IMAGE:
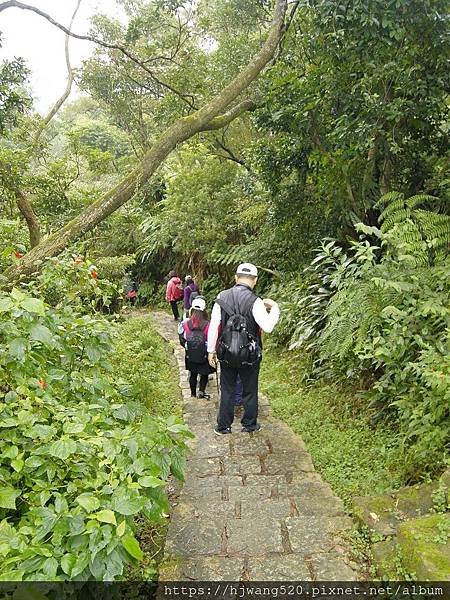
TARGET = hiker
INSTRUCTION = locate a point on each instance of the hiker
(193, 333)
(174, 293)
(191, 291)
(234, 339)
(131, 291)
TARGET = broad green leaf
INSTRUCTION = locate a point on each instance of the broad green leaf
(62, 448)
(67, 563)
(17, 348)
(50, 567)
(17, 464)
(70, 427)
(6, 304)
(33, 305)
(40, 333)
(127, 502)
(131, 545)
(150, 481)
(105, 516)
(89, 502)
(8, 496)
(121, 528)
(93, 352)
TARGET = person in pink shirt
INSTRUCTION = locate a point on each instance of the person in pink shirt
(174, 293)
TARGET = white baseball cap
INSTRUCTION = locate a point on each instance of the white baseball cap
(247, 269)
(199, 303)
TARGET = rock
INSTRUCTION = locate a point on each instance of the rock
(385, 554)
(424, 547)
(376, 512)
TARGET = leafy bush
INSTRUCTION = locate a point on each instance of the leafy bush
(78, 460)
(74, 280)
(380, 313)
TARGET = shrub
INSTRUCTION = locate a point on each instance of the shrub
(77, 459)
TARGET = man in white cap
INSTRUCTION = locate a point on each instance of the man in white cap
(234, 338)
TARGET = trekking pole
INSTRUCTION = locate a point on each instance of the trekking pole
(217, 381)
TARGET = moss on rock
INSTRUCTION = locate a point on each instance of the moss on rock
(424, 547)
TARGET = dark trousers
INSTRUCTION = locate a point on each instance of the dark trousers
(193, 383)
(249, 378)
(174, 305)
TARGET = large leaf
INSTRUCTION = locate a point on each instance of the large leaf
(150, 481)
(127, 502)
(88, 502)
(8, 496)
(63, 448)
(41, 333)
(17, 348)
(33, 305)
(105, 516)
(131, 545)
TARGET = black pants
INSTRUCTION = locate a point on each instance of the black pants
(249, 377)
(174, 305)
(193, 383)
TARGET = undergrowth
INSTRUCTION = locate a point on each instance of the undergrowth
(355, 457)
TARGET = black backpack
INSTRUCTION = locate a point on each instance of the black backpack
(195, 344)
(237, 347)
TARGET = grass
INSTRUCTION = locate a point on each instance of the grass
(355, 457)
(144, 360)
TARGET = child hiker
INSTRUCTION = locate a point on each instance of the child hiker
(193, 333)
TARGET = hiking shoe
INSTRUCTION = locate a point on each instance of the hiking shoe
(218, 431)
(203, 395)
(247, 430)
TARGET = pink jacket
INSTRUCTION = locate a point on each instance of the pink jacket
(172, 291)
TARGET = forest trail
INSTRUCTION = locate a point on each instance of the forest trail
(252, 507)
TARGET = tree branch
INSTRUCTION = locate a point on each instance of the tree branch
(228, 117)
(89, 38)
(34, 228)
(183, 129)
(70, 78)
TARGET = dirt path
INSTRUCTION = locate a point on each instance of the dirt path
(252, 508)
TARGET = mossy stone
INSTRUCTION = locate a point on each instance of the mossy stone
(376, 512)
(424, 550)
(384, 557)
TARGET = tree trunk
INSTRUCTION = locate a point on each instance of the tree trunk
(208, 117)
(30, 217)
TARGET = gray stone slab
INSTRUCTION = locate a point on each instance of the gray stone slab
(287, 567)
(332, 568)
(252, 493)
(197, 484)
(190, 537)
(242, 465)
(203, 568)
(280, 508)
(267, 480)
(280, 463)
(315, 534)
(246, 445)
(307, 489)
(203, 467)
(325, 505)
(247, 537)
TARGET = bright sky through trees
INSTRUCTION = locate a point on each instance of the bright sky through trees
(42, 45)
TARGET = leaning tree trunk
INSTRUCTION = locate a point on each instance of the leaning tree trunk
(34, 228)
(206, 118)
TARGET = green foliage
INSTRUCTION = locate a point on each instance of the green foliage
(141, 357)
(334, 424)
(73, 280)
(380, 312)
(80, 460)
(14, 99)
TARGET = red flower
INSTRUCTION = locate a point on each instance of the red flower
(42, 384)
(94, 274)
(18, 254)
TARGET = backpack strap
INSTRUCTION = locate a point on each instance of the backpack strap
(226, 307)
